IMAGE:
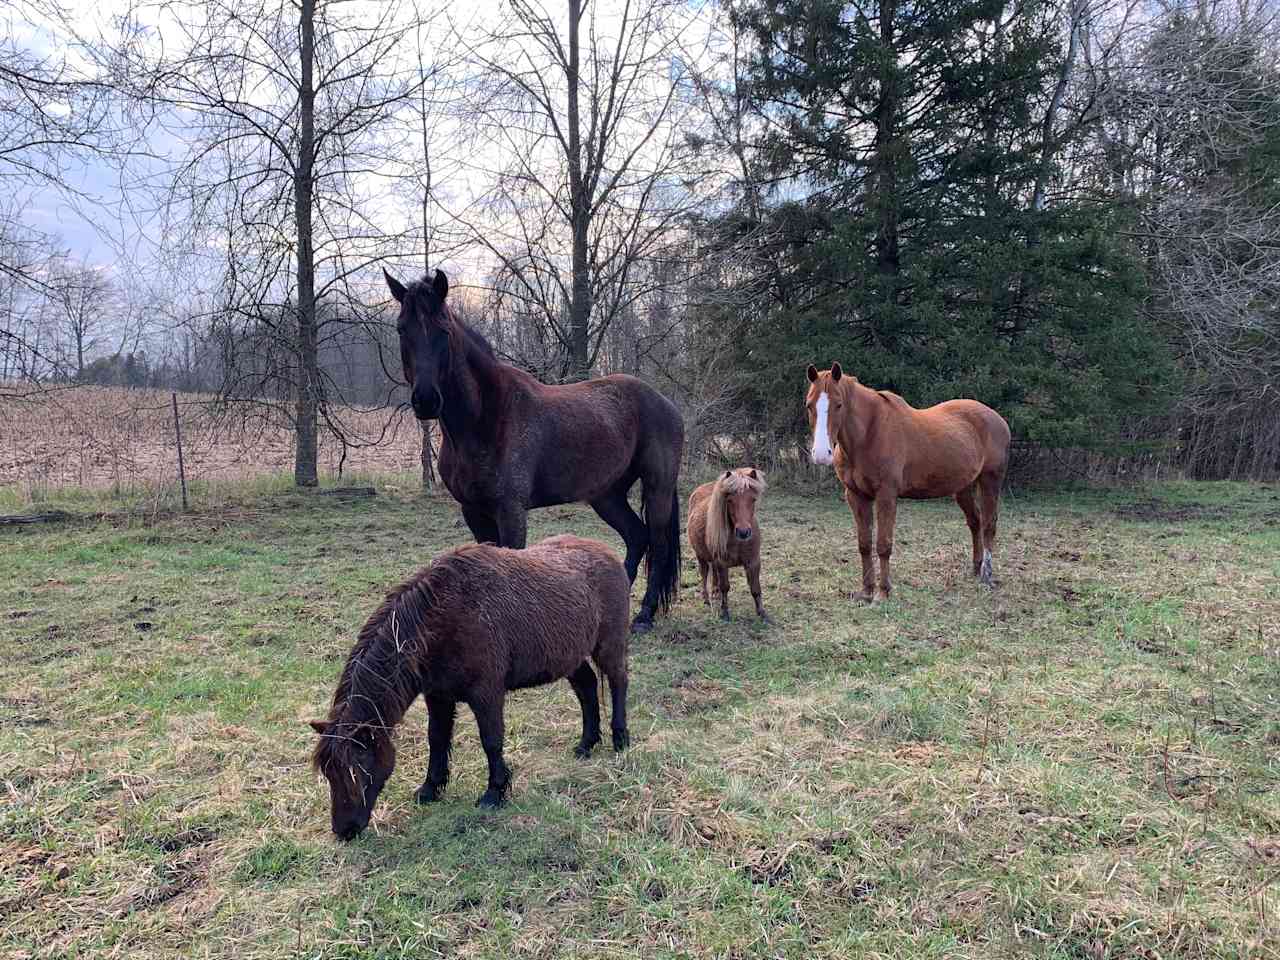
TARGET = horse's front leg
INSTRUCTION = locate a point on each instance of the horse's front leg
(440, 714)
(861, 507)
(886, 517)
(753, 581)
(722, 588)
(481, 523)
(513, 526)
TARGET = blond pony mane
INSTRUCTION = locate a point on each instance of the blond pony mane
(719, 526)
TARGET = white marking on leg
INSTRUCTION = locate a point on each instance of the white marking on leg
(986, 566)
(821, 434)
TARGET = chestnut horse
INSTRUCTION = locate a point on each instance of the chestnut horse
(883, 448)
(511, 444)
(481, 620)
(724, 533)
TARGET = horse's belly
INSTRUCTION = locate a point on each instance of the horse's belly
(545, 660)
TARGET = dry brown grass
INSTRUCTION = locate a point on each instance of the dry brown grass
(123, 439)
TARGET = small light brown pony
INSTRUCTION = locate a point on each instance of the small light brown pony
(883, 448)
(724, 533)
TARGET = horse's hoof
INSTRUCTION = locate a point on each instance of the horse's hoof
(764, 618)
(641, 626)
(491, 799)
(428, 793)
(864, 597)
(621, 740)
(583, 750)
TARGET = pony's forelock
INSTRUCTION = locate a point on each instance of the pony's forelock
(719, 528)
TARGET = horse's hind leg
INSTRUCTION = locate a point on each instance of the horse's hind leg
(583, 681)
(615, 510)
(974, 519)
(440, 714)
(989, 487)
(614, 666)
(662, 518)
(704, 568)
(489, 722)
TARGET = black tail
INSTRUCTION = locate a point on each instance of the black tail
(667, 562)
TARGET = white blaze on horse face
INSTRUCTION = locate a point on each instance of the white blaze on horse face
(822, 453)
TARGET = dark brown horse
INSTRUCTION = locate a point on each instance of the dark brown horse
(481, 620)
(511, 444)
(883, 448)
(724, 533)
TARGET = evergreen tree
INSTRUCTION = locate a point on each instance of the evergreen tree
(911, 136)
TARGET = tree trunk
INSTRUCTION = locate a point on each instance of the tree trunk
(428, 457)
(304, 468)
(580, 211)
(886, 146)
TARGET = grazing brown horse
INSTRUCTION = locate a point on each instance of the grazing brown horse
(481, 620)
(723, 532)
(883, 448)
(511, 444)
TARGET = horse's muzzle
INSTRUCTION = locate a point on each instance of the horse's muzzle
(822, 458)
(427, 406)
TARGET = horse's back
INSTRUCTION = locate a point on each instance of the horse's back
(990, 430)
(542, 610)
(595, 433)
(946, 447)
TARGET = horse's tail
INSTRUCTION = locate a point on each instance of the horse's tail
(665, 558)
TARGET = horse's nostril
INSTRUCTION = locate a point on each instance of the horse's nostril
(744, 534)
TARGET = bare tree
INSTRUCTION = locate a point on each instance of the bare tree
(1187, 116)
(84, 302)
(275, 196)
(576, 121)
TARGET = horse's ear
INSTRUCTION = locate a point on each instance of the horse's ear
(319, 726)
(812, 373)
(395, 286)
(728, 475)
(752, 474)
(440, 285)
(836, 372)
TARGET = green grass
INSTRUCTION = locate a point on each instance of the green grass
(1084, 762)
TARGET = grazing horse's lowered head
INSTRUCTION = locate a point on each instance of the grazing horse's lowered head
(427, 328)
(357, 761)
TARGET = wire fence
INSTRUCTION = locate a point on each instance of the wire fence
(124, 440)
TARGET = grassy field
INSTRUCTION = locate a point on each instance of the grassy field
(1084, 762)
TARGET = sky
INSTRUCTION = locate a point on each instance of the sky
(95, 222)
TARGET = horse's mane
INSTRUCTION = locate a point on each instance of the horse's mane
(718, 525)
(379, 680)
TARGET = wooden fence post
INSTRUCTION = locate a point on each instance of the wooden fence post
(182, 470)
